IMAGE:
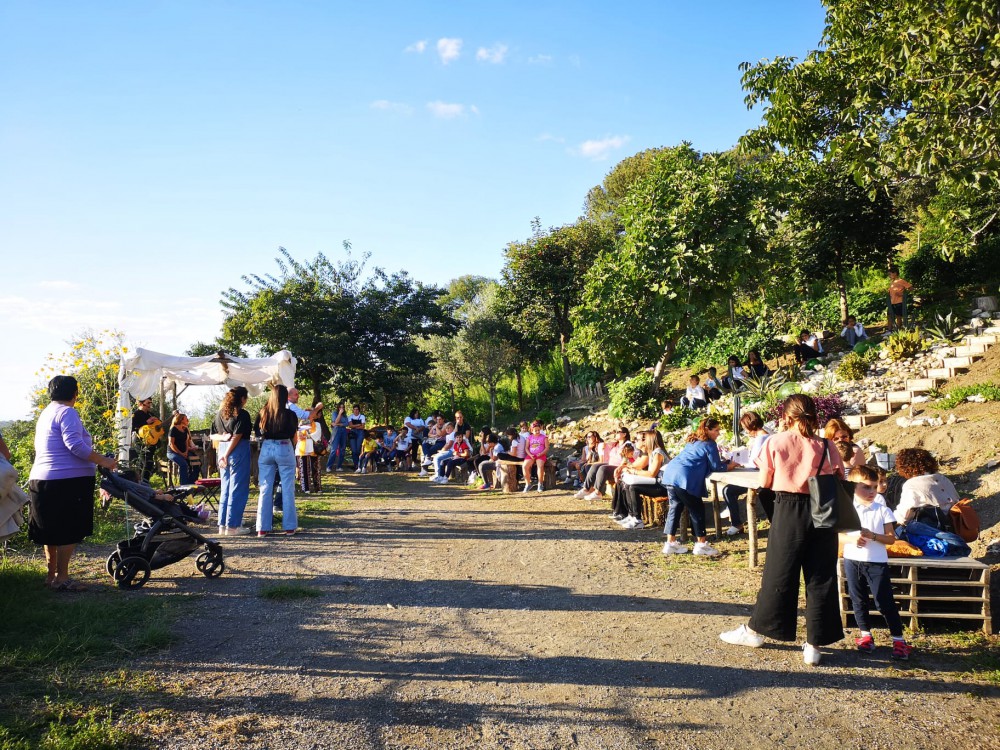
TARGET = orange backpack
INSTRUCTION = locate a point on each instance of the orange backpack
(965, 520)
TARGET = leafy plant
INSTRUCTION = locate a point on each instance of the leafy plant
(679, 418)
(852, 367)
(946, 329)
(633, 398)
(715, 349)
(989, 391)
(546, 416)
(904, 344)
(761, 387)
(827, 407)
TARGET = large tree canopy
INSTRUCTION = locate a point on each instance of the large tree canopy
(897, 89)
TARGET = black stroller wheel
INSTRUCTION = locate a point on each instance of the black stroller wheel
(113, 559)
(132, 572)
(210, 564)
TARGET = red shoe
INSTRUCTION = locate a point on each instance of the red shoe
(901, 650)
(865, 643)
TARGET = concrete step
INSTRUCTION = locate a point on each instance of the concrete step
(958, 363)
(857, 421)
(878, 407)
(970, 350)
(897, 398)
(941, 373)
(922, 385)
(990, 331)
(986, 340)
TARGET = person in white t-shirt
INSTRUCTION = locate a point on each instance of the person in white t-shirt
(866, 563)
(417, 428)
(853, 332)
(694, 397)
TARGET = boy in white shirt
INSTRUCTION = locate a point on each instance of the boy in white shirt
(866, 563)
(853, 332)
(694, 397)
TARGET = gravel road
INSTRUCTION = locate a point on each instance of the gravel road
(456, 619)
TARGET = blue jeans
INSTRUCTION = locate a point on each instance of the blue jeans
(354, 439)
(338, 445)
(732, 495)
(276, 456)
(182, 466)
(235, 489)
(439, 459)
(680, 499)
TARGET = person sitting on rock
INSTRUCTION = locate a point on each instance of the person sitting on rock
(694, 397)
(733, 380)
(807, 348)
(853, 332)
(755, 364)
(712, 385)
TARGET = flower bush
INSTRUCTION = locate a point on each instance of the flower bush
(827, 407)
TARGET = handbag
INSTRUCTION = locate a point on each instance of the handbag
(830, 503)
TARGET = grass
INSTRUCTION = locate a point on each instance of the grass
(60, 656)
(286, 592)
(971, 655)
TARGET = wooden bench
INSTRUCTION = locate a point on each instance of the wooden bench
(932, 588)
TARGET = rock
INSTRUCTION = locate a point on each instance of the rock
(992, 463)
(976, 398)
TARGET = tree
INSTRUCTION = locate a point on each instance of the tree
(836, 225)
(603, 200)
(544, 275)
(347, 329)
(692, 227)
(897, 90)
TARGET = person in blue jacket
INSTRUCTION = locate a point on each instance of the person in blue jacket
(685, 478)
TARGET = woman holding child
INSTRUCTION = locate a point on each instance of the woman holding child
(645, 480)
(795, 547)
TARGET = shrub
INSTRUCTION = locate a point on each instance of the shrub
(679, 418)
(989, 391)
(633, 398)
(946, 329)
(763, 387)
(904, 345)
(827, 407)
(546, 416)
(714, 348)
(852, 367)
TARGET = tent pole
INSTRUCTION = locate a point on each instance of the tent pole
(163, 402)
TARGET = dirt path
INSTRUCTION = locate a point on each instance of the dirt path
(450, 619)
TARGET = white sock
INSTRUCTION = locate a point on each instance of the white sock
(865, 634)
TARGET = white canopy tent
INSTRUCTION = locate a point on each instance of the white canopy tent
(149, 372)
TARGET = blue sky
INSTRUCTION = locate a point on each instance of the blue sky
(151, 153)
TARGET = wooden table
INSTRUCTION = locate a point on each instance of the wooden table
(750, 479)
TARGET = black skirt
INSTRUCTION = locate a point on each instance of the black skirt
(62, 510)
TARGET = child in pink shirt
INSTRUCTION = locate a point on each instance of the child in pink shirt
(535, 447)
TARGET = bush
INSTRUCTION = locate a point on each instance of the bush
(714, 348)
(633, 398)
(679, 418)
(852, 367)
(546, 416)
(989, 391)
(904, 345)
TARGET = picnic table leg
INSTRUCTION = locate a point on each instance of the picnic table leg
(752, 527)
(715, 511)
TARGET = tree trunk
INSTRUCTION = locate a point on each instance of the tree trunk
(520, 388)
(317, 386)
(451, 393)
(838, 271)
(493, 405)
(567, 370)
(668, 353)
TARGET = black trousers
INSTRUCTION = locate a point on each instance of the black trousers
(635, 492)
(795, 548)
(863, 578)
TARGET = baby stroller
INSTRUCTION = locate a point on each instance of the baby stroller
(162, 538)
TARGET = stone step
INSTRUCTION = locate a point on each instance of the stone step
(991, 331)
(958, 363)
(922, 385)
(896, 398)
(857, 421)
(970, 350)
(985, 340)
(878, 407)
(941, 373)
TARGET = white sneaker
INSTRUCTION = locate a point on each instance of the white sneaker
(357, 471)
(811, 655)
(630, 522)
(527, 487)
(615, 517)
(580, 494)
(239, 531)
(223, 531)
(541, 488)
(743, 636)
(705, 549)
(340, 468)
(472, 479)
(724, 513)
(422, 472)
(675, 548)
(594, 495)
(328, 470)
(733, 531)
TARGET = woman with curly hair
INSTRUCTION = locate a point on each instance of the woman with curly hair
(686, 487)
(233, 421)
(795, 548)
(924, 486)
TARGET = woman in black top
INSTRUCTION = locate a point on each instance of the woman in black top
(180, 446)
(277, 428)
(233, 421)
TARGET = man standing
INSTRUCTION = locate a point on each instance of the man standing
(897, 298)
(140, 418)
(293, 406)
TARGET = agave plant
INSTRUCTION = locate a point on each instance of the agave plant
(762, 387)
(946, 329)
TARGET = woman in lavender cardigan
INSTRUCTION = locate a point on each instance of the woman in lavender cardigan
(61, 483)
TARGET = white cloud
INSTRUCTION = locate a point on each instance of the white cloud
(540, 59)
(599, 150)
(449, 111)
(495, 54)
(449, 49)
(398, 108)
(58, 284)
(417, 47)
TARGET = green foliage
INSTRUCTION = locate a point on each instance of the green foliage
(714, 349)
(546, 416)
(945, 329)
(852, 367)
(763, 387)
(904, 345)
(679, 418)
(954, 397)
(633, 398)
